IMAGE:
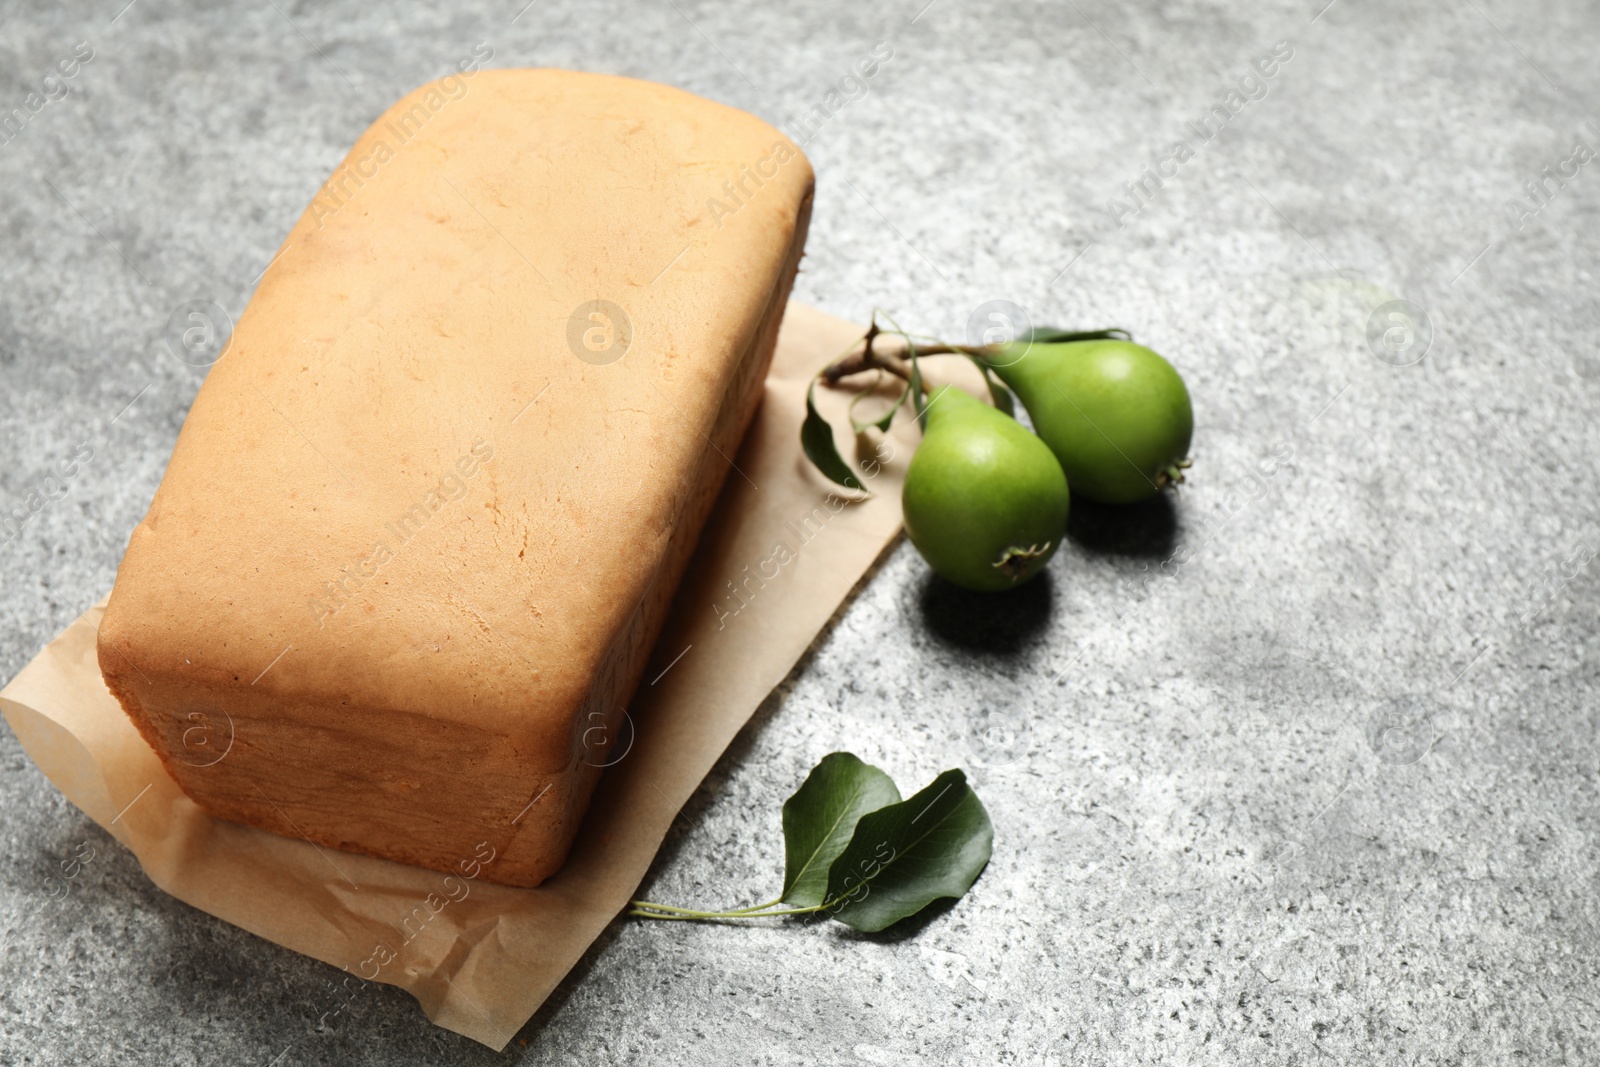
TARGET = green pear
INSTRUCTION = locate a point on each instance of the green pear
(1115, 413)
(985, 501)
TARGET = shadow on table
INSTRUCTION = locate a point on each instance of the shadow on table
(1002, 623)
(1146, 530)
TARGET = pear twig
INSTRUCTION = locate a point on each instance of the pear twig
(870, 358)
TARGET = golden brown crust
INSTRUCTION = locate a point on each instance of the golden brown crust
(409, 544)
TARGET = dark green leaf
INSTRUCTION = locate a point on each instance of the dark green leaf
(816, 437)
(907, 855)
(1056, 335)
(819, 819)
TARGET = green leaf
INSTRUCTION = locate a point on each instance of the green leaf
(1051, 335)
(907, 855)
(1002, 396)
(881, 422)
(816, 437)
(919, 403)
(997, 390)
(819, 819)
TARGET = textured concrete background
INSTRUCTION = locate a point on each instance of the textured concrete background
(1298, 767)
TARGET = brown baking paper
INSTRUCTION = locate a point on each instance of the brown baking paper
(482, 961)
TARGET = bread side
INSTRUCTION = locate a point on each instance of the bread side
(411, 548)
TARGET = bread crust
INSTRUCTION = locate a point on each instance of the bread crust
(415, 545)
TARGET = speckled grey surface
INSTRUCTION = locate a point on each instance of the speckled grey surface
(1298, 768)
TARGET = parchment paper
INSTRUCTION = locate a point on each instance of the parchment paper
(481, 962)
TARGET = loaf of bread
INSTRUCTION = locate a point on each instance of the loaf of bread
(421, 528)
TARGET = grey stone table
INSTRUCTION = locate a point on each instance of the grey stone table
(1296, 767)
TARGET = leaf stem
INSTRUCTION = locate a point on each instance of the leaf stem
(686, 914)
(697, 913)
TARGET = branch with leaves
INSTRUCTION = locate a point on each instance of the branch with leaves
(867, 354)
(855, 852)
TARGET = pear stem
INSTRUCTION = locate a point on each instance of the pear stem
(870, 358)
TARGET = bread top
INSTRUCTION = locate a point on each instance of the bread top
(401, 470)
